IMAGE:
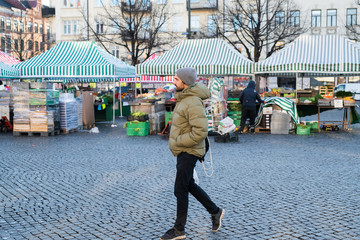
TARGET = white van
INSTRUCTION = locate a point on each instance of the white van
(350, 87)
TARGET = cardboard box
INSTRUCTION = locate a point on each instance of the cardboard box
(267, 110)
(88, 108)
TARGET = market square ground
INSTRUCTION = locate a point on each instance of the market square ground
(110, 186)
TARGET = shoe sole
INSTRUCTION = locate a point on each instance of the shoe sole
(221, 217)
(177, 238)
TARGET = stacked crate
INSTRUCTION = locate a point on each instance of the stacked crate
(20, 96)
(5, 104)
(68, 113)
(44, 110)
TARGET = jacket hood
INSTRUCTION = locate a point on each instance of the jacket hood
(197, 89)
(251, 84)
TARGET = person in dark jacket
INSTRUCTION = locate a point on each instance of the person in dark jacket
(248, 100)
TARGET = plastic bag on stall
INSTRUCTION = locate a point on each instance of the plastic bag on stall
(226, 126)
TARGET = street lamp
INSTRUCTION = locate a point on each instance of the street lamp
(189, 19)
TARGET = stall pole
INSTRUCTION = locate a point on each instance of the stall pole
(296, 81)
(120, 100)
(114, 100)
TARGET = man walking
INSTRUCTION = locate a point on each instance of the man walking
(248, 110)
(187, 142)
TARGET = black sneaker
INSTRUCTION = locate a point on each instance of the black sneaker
(173, 234)
(216, 219)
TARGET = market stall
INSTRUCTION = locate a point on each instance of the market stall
(309, 56)
(211, 58)
(6, 72)
(77, 62)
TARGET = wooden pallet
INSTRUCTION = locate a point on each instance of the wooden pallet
(89, 126)
(262, 130)
(30, 134)
(67, 131)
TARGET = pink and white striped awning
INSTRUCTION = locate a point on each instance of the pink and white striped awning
(146, 79)
(7, 59)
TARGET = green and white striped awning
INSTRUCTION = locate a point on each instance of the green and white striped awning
(207, 56)
(7, 71)
(284, 103)
(75, 61)
(315, 55)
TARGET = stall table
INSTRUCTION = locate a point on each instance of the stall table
(345, 122)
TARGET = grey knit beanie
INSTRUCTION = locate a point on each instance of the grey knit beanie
(187, 75)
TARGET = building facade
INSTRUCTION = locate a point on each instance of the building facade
(24, 32)
(317, 16)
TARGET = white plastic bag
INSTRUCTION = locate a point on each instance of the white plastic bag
(226, 126)
(196, 177)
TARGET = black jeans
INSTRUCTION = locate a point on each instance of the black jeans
(185, 184)
(247, 113)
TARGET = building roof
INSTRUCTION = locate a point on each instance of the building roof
(20, 4)
(5, 4)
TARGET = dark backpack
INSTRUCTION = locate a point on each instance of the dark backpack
(207, 145)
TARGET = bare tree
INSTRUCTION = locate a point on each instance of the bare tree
(136, 26)
(260, 26)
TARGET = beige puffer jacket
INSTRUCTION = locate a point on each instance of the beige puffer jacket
(189, 123)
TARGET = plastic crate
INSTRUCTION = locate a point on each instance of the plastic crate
(137, 128)
(168, 117)
(303, 130)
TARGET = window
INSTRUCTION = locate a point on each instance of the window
(99, 3)
(163, 27)
(316, 18)
(177, 24)
(8, 24)
(194, 1)
(279, 18)
(22, 45)
(115, 28)
(21, 26)
(253, 20)
(30, 26)
(41, 29)
(36, 46)
(48, 33)
(161, 1)
(351, 15)
(130, 2)
(3, 44)
(115, 3)
(16, 25)
(331, 18)
(67, 27)
(2, 24)
(116, 51)
(65, 3)
(30, 46)
(195, 23)
(295, 18)
(8, 43)
(145, 23)
(99, 27)
(16, 44)
(212, 29)
(178, 1)
(237, 22)
(76, 24)
(42, 46)
(36, 27)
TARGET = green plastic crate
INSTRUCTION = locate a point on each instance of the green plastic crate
(137, 128)
(168, 117)
(302, 129)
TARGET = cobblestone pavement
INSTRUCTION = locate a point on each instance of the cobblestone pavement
(110, 186)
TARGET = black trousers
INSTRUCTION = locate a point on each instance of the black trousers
(247, 113)
(185, 184)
